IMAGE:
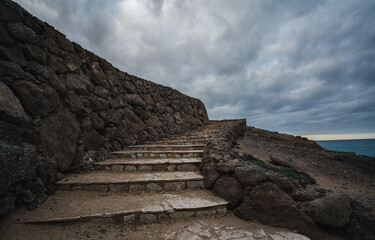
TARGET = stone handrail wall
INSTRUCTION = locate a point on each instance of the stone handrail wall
(61, 104)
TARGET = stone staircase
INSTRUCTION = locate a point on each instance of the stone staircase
(142, 183)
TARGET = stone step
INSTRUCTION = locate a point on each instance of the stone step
(161, 147)
(177, 142)
(104, 181)
(159, 154)
(162, 164)
(187, 138)
(119, 207)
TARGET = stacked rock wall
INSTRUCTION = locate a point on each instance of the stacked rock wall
(61, 104)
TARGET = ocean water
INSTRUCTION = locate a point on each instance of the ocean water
(359, 146)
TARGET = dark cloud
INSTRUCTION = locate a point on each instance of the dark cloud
(302, 67)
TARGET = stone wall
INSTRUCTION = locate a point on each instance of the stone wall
(61, 104)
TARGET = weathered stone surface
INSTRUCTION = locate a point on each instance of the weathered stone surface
(12, 55)
(362, 222)
(11, 70)
(134, 100)
(34, 53)
(250, 175)
(174, 186)
(113, 116)
(76, 82)
(230, 189)
(74, 103)
(99, 104)
(153, 187)
(22, 33)
(93, 140)
(333, 210)
(11, 109)
(97, 122)
(267, 204)
(37, 100)
(97, 75)
(281, 161)
(57, 137)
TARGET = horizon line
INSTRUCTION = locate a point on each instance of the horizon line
(355, 136)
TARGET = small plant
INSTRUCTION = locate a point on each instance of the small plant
(302, 177)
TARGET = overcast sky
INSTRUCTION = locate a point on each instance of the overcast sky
(299, 67)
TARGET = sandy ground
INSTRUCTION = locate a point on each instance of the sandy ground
(352, 176)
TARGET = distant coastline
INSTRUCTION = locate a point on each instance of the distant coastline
(358, 146)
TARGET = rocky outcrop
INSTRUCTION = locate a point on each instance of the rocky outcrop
(333, 210)
(61, 105)
(272, 195)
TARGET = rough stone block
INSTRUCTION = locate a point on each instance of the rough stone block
(117, 168)
(163, 155)
(130, 168)
(221, 210)
(182, 214)
(171, 168)
(144, 168)
(195, 184)
(206, 212)
(153, 187)
(97, 188)
(139, 155)
(107, 168)
(186, 167)
(119, 187)
(148, 218)
(129, 218)
(136, 188)
(161, 167)
(173, 186)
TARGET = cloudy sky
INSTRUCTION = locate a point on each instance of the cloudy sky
(298, 67)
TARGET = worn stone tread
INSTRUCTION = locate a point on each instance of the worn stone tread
(166, 146)
(158, 151)
(104, 177)
(85, 206)
(147, 161)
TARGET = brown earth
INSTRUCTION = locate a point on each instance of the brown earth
(335, 171)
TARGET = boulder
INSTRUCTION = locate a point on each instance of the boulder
(230, 189)
(362, 222)
(269, 205)
(11, 109)
(251, 175)
(55, 136)
(333, 210)
(38, 100)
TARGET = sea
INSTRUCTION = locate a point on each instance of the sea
(359, 146)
